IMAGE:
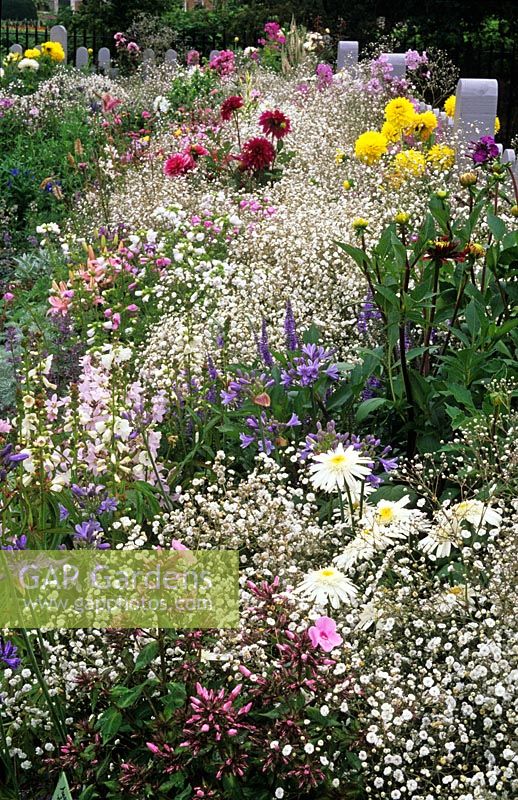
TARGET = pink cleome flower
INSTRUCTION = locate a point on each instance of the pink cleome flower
(323, 633)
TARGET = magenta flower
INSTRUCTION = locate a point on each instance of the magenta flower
(323, 633)
(484, 150)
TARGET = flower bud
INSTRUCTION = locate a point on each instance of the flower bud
(514, 211)
(468, 179)
(402, 218)
(360, 224)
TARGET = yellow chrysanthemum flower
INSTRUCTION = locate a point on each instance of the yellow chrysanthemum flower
(440, 156)
(425, 124)
(347, 185)
(33, 52)
(370, 146)
(390, 132)
(497, 125)
(54, 50)
(449, 106)
(410, 163)
(400, 113)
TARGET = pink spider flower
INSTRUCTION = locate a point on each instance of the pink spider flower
(323, 633)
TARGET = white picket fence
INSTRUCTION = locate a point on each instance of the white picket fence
(475, 104)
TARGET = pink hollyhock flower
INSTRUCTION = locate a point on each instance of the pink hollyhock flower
(8, 297)
(257, 154)
(275, 124)
(323, 633)
(178, 164)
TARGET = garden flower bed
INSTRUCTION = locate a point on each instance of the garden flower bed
(273, 313)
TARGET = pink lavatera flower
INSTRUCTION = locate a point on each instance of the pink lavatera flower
(323, 633)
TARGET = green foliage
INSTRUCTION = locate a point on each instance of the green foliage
(450, 326)
(19, 9)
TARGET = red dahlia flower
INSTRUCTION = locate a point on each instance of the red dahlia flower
(275, 123)
(230, 105)
(179, 164)
(257, 154)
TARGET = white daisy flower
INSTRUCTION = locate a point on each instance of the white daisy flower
(441, 539)
(477, 514)
(340, 468)
(327, 585)
(390, 512)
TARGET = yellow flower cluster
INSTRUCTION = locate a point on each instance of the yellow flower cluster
(400, 113)
(449, 108)
(54, 50)
(370, 146)
(410, 163)
(33, 52)
(11, 58)
(441, 157)
(424, 124)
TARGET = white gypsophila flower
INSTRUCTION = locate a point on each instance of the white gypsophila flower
(327, 585)
(161, 104)
(339, 469)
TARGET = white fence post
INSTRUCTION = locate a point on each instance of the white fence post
(59, 34)
(82, 57)
(347, 55)
(475, 109)
(104, 59)
(398, 64)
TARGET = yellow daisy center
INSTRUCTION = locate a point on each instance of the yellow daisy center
(386, 515)
(327, 573)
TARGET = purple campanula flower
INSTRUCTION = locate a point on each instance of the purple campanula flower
(373, 383)
(63, 513)
(17, 543)
(306, 369)
(87, 533)
(8, 653)
(213, 372)
(8, 458)
(292, 342)
(368, 312)
(107, 506)
(264, 349)
(388, 464)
